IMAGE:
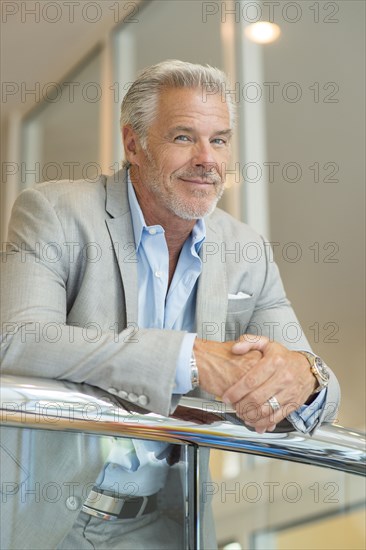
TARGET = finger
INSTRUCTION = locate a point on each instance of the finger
(256, 406)
(263, 417)
(251, 381)
(261, 423)
(251, 359)
(249, 342)
(262, 427)
(259, 415)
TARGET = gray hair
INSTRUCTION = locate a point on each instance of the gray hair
(140, 102)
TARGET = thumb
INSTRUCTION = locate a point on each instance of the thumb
(249, 342)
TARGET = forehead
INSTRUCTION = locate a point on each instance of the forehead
(193, 106)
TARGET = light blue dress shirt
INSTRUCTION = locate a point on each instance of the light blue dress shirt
(159, 307)
(134, 463)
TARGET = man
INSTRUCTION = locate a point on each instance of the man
(162, 305)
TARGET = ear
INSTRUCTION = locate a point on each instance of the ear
(130, 144)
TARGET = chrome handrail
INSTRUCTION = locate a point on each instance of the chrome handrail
(62, 405)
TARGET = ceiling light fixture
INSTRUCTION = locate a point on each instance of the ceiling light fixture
(262, 32)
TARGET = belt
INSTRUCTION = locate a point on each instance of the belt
(109, 506)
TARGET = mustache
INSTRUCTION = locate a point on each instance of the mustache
(208, 175)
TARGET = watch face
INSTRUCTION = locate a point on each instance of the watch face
(322, 369)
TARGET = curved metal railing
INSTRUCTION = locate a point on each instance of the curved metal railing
(62, 405)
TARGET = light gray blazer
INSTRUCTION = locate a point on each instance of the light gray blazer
(69, 308)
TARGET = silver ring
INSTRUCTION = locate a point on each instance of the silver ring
(272, 401)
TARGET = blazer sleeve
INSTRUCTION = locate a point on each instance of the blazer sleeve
(35, 337)
(275, 318)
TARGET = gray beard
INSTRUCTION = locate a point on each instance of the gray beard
(180, 208)
(175, 204)
(192, 212)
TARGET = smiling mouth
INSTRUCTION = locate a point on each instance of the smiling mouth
(198, 181)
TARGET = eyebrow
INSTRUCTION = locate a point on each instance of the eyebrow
(228, 132)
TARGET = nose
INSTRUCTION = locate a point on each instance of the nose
(203, 155)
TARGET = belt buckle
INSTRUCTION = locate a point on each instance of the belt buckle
(97, 513)
(108, 512)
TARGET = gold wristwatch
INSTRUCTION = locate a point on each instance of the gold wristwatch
(318, 368)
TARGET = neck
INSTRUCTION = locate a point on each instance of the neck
(176, 229)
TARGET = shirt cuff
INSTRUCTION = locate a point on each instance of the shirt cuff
(183, 382)
(306, 417)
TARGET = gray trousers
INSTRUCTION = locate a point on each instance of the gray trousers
(149, 532)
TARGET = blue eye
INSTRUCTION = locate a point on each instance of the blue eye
(182, 138)
(219, 141)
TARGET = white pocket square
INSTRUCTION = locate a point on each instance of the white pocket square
(239, 296)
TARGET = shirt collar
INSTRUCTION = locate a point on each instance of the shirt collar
(138, 220)
(196, 237)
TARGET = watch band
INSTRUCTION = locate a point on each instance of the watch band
(317, 368)
(194, 371)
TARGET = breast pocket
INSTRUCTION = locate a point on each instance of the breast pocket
(239, 312)
(239, 302)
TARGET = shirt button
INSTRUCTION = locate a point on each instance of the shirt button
(113, 391)
(143, 400)
(122, 394)
(132, 397)
(72, 503)
(152, 230)
(158, 274)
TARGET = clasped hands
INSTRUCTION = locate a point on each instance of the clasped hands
(248, 372)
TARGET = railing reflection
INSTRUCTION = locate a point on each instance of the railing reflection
(61, 405)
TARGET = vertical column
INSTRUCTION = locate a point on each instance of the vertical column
(252, 123)
(229, 23)
(11, 170)
(106, 110)
(194, 526)
(124, 73)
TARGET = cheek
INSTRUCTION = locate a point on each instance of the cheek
(166, 160)
(176, 157)
(174, 166)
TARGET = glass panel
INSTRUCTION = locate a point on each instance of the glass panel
(261, 503)
(48, 475)
(316, 149)
(61, 138)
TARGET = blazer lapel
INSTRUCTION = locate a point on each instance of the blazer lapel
(211, 306)
(121, 233)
